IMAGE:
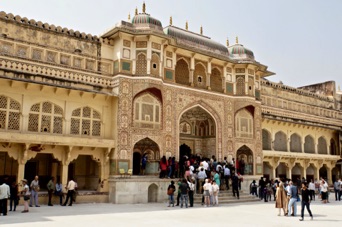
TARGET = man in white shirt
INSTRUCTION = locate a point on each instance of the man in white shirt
(4, 195)
(201, 177)
(71, 189)
(226, 176)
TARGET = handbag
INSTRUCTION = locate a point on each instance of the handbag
(170, 191)
(26, 197)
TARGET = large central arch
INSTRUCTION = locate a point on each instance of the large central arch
(202, 123)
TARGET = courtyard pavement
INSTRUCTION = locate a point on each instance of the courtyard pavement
(158, 214)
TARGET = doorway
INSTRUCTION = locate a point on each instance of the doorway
(136, 163)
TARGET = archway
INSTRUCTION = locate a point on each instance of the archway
(9, 166)
(85, 171)
(245, 159)
(44, 166)
(197, 129)
(281, 171)
(323, 172)
(153, 193)
(151, 149)
(136, 163)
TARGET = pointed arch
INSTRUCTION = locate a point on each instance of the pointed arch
(46, 117)
(182, 72)
(141, 65)
(9, 113)
(244, 123)
(245, 160)
(200, 75)
(147, 107)
(280, 141)
(155, 62)
(295, 143)
(216, 80)
(309, 144)
(266, 140)
(85, 121)
(322, 145)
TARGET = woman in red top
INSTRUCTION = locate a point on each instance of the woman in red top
(163, 167)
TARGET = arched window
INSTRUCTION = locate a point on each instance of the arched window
(46, 117)
(147, 112)
(280, 141)
(182, 72)
(295, 143)
(155, 64)
(333, 147)
(200, 74)
(216, 80)
(266, 140)
(85, 121)
(322, 146)
(240, 85)
(9, 114)
(141, 68)
(309, 144)
(244, 124)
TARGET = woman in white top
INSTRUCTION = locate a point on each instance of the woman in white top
(324, 190)
(26, 194)
(207, 191)
(312, 189)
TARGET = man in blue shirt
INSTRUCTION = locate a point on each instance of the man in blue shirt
(293, 199)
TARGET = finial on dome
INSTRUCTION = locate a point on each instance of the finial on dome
(129, 16)
(237, 39)
(227, 42)
(171, 20)
(201, 30)
(186, 25)
(144, 8)
(136, 10)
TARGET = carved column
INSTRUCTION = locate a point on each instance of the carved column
(64, 173)
(191, 77)
(208, 81)
(22, 159)
(290, 164)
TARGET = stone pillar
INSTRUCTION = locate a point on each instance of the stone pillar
(54, 168)
(329, 175)
(64, 174)
(21, 171)
(148, 66)
(274, 172)
(191, 78)
(316, 175)
(208, 81)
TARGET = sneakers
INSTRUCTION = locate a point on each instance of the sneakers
(302, 219)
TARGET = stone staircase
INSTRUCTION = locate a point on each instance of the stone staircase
(226, 197)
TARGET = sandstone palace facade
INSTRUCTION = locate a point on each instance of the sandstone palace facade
(77, 105)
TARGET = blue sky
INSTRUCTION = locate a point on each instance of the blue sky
(299, 40)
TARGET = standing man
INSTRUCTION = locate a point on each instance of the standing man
(305, 201)
(337, 186)
(235, 185)
(71, 189)
(4, 195)
(50, 187)
(34, 186)
(184, 188)
(312, 189)
(191, 192)
(293, 199)
(226, 176)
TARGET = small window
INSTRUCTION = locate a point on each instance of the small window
(154, 65)
(199, 79)
(250, 87)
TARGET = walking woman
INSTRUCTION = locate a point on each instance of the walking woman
(26, 194)
(305, 201)
(281, 199)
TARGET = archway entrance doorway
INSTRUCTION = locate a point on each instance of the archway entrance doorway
(244, 160)
(149, 148)
(197, 130)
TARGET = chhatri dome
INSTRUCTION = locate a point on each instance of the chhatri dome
(144, 20)
(240, 53)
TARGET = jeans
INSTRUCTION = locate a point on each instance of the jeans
(184, 197)
(293, 201)
(307, 205)
(171, 200)
(34, 196)
(191, 198)
(69, 196)
(337, 194)
(236, 190)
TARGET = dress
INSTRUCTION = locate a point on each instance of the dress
(281, 199)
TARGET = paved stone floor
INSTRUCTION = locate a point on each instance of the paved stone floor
(157, 214)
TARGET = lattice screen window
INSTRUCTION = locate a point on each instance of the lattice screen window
(147, 112)
(46, 117)
(9, 114)
(141, 64)
(85, 121)
(244, 124)
(240, 85)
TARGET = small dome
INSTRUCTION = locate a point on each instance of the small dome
(144, 20)
(239, 52)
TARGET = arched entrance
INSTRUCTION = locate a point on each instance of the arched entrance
(151, 149)
(197, 129)
(323, 172)
(136, 163)
(245, 160)
(184, 150)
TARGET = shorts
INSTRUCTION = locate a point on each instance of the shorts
(206, 193)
